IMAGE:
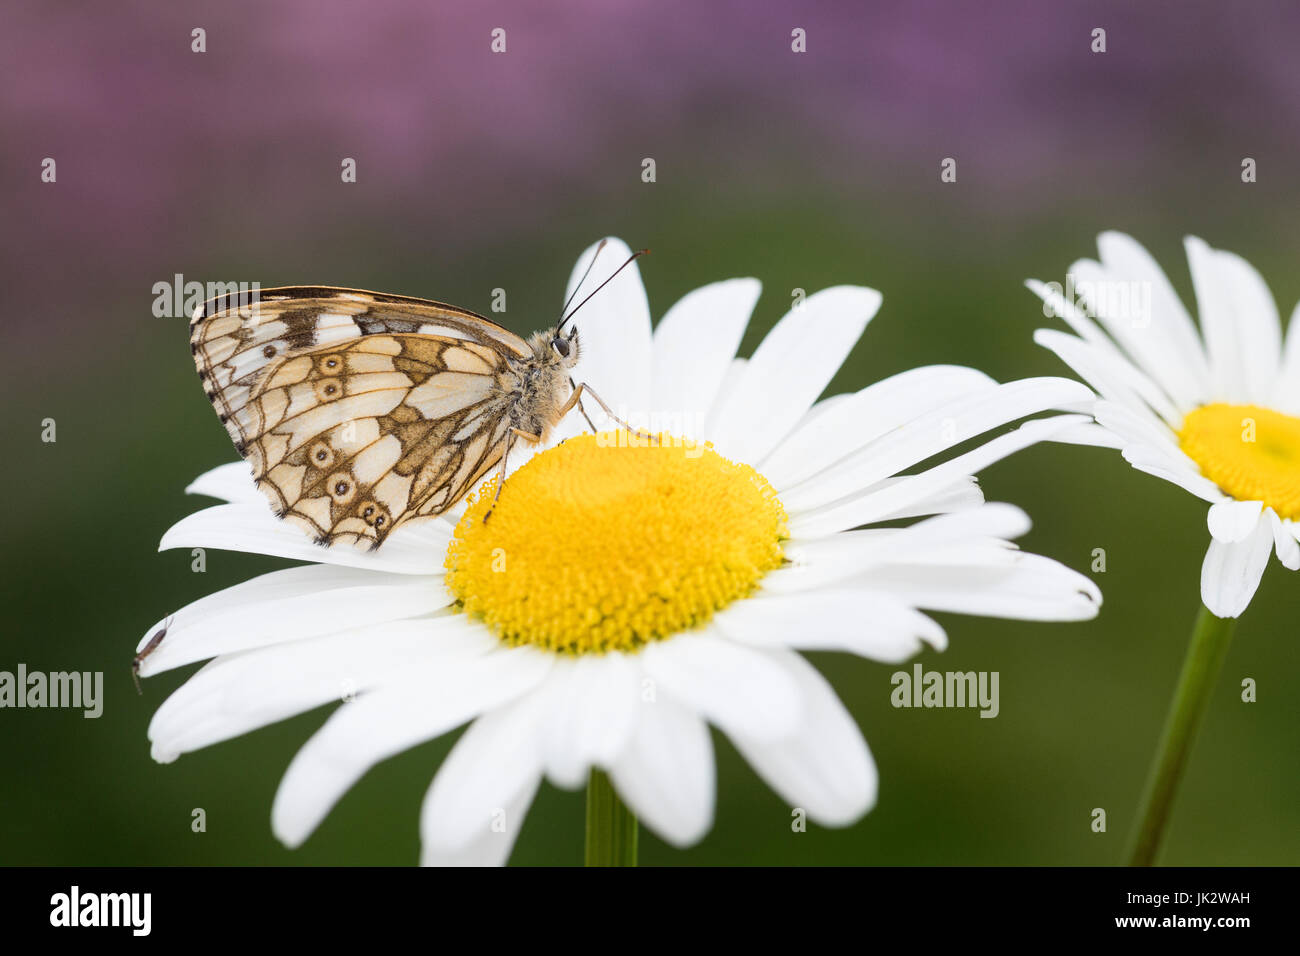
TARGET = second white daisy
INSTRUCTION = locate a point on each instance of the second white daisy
(1216, 412)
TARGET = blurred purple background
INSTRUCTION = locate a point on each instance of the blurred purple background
(164, 154)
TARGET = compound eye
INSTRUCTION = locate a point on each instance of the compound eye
(561, 346)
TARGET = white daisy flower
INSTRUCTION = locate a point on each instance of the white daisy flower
(1216, 412)
(622, 599)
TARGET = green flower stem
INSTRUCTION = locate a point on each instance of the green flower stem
(611, 826)
(1209, 645)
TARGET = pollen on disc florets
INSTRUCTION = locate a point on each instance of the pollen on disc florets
(1251, 453)
(605, 543)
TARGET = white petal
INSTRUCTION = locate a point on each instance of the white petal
(232, 482)
(1088, 433)
(874, 505)
(1112, 375)
(735, 687)
(615, 338)
(821, 561)
(1286, 391)
(666, 774)
(1165, 342)
(961, 494)
(428, 702)
(858, 419)
(939, 429)
(1215, 310)
(1137, 426)
(735, 374)
(1116, 299)
(1232, 572)
(494, 843)
(694, 344)
(1006, 584)
(1284, 540)
(592, 712)
(789, 370)
(826, 768)
(817, 562)
(993, 520)
(820, 408)
(1231, 520)
(493, 770)
(870, 624)
(1175, 469)
(242, 692)
(252, 528)
(1240, 320)
(1256, 321)
(1058, 306)
(289, 605)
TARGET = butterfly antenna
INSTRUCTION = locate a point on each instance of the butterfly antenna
(630, 259)
(594, 256)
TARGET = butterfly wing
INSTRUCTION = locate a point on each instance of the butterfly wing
(357, 411)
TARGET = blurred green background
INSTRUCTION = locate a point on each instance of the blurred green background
(474, 173)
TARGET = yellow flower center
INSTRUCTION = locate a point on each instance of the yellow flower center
(608, 542)
(1251, 453)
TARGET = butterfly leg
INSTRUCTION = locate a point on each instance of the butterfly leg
(505, 456)
(501, 476)
(576, 399)
(570, 403)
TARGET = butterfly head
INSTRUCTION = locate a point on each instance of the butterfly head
(555, 349)
(565, 347)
